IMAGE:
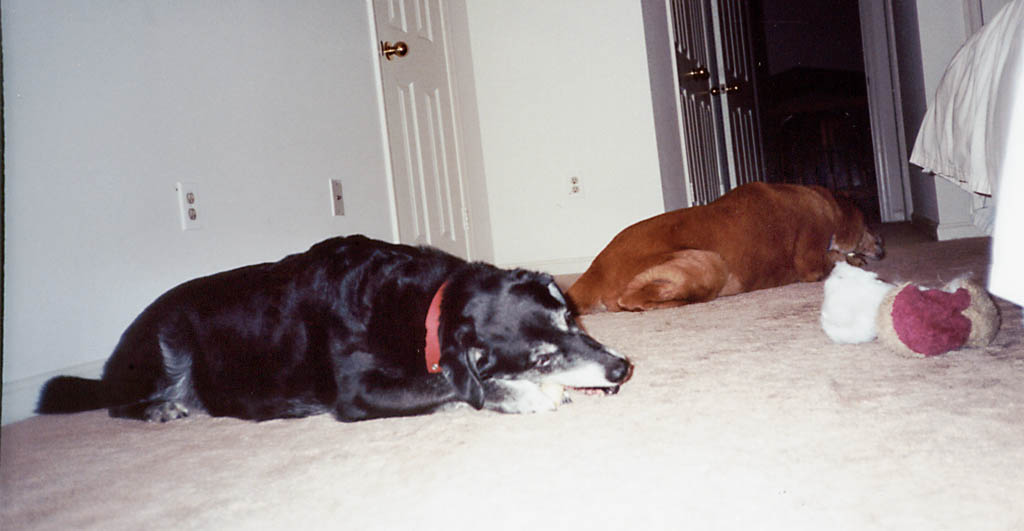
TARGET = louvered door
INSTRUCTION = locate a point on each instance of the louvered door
(717, 96)
(738, 92)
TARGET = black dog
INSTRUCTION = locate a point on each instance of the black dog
(353, 326)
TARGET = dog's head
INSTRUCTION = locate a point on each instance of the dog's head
(853, 238)
(516, 327)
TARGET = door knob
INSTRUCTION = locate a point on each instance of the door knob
(388, 50)
(718, 91)
(699, 74)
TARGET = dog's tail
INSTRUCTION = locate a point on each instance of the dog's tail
(69, 394)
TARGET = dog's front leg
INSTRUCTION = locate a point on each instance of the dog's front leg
(518, 396)
(379, 393)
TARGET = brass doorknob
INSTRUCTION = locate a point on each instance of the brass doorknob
(388, 50)
(718, 91)
(699, 74)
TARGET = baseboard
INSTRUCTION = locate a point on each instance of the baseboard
(19, 396)
(945, 231)
(954, 231)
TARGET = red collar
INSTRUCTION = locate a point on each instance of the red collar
(432, 350)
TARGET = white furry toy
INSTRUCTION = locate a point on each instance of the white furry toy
(852, 297)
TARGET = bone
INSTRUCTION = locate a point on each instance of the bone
(554, 391)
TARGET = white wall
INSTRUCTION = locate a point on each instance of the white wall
(108, 104)
(989, 8)
(563, 89)
(942, 29)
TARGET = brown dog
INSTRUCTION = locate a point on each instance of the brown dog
(756, 236)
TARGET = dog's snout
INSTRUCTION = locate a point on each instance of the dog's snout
(619, 372)
(872, 246)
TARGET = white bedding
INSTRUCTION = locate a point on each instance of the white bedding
(963, 132)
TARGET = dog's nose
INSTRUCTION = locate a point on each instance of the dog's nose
(619, 372)
(879, 248)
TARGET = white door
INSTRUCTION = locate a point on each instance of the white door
(415, 60)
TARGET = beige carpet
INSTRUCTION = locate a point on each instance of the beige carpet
(741, 415)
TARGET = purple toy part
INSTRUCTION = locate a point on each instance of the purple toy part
(930, 321)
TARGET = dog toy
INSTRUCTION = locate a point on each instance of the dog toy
(555, 392)
(921, 322)
(910, 319)
(852, 297)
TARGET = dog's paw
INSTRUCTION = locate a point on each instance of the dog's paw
(536, 403)
(518, 396)
(166, 411)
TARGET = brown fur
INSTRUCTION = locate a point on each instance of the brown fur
(754, 237)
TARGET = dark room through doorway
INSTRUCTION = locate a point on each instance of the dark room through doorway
(813, 97)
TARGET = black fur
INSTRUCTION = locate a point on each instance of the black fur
(340, 328)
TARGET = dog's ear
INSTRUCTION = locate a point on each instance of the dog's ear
(851, 224)
(460, 359)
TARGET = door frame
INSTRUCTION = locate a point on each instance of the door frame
(885, 110)
(884, 104)
(378, 81)
(467, 127)
(676, 190)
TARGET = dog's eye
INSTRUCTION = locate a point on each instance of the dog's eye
(544, 360)
(562, 320)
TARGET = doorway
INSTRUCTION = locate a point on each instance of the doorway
(875, 174)
(814, 99)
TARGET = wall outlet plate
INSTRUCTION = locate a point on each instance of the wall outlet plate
(576, 190)
(337, 198)
(188, 206)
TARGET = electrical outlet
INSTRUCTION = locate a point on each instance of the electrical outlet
(188, 206)
(337, 198)
(576, 187)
